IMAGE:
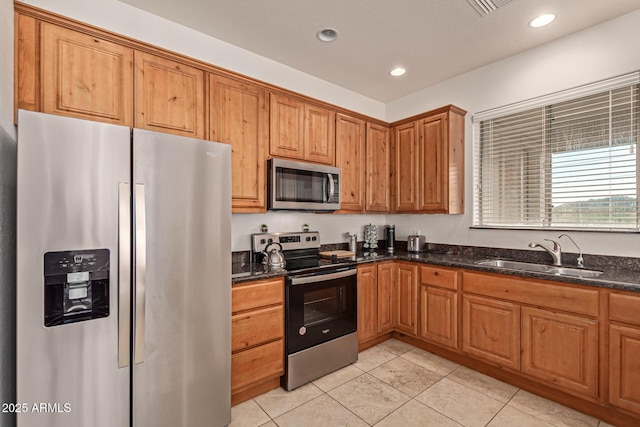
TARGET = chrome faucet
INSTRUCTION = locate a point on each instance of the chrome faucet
(580, 260)
(556, 252)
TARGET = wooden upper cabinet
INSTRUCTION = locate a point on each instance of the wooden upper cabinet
(239, 115)
(406, 168)
(378, 166)
(350, 154)
(432, 158)
(302, 131)
(27, 46)
(429, 162)
(319, 134)
(169, 96)
(83, 76)
(286, 128)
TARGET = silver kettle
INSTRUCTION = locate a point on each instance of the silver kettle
(273, 258)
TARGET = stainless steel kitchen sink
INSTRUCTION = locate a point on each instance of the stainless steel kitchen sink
(539, 268)
(514, 265)
(574, 272)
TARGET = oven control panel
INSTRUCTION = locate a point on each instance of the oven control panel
(289, 241)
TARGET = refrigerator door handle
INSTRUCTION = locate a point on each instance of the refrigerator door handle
(141, 272)
(124, 274)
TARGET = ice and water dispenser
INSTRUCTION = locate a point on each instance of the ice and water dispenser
(76, 286)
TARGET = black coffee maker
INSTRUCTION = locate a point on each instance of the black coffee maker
(390, 231)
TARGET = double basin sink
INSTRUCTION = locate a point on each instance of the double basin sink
(540, 268)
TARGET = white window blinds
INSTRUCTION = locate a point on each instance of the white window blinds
(566, 161)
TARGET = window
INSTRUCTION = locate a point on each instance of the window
(566, 161)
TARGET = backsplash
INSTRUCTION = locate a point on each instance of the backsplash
(594, 262)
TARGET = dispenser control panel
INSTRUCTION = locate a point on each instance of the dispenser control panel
(76, 286)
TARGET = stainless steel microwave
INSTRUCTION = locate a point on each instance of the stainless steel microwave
(303, 186)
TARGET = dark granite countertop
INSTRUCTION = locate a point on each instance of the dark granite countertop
(618, 273)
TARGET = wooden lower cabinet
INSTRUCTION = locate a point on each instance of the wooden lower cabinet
(624, 351)
(257, 364)
(367, 302)
(438, 312)
(624, 367)
(491, 330)
(561, 348)
(257, 337)
(439, 316)
(386, 279)
(375, 283)
(406, 298)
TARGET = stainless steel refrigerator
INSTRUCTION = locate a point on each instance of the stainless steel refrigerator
(123, 276)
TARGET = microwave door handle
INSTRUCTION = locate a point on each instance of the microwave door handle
(332, 188)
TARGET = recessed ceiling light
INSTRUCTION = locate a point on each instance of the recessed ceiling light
(398, 71)
(542, 20)
(328, 34)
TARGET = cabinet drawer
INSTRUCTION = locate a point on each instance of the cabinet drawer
(439, 277)
(257, 364)
(550, 295)
(247, 296)
(624, 308)
(256, 327)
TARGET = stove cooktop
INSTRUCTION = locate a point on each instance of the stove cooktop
(316, 264)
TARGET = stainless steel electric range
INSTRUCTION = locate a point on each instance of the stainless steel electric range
(320, 307)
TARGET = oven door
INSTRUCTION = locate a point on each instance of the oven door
(320, 307)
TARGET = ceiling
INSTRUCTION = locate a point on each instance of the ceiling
(434, 39)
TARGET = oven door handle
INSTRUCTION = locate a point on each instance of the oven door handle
(324, 277)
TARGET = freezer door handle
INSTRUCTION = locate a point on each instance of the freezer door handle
(141, 272)
(124, 274)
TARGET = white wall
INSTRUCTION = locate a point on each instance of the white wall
(598, 53)
(7, 214)
(127, 20)
(332, 228)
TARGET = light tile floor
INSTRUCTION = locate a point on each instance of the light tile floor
(396, 384)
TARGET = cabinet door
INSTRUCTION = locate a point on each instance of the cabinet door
(406, 168)
(439, 316)
(624, 367)
(561, 348)
(350, 144)
(433, 162)
(169, 96)
(367, 302)
(239, 115)
(491, 330)
(406, 298)
(319, 134)
(378, 168)
(386, 279)
(85, 77)
(286, 126)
